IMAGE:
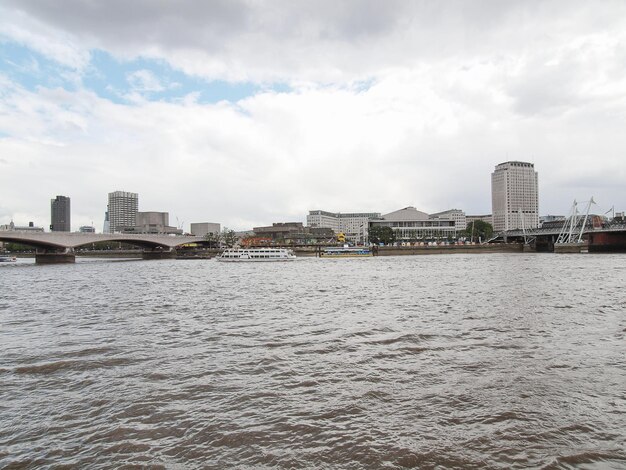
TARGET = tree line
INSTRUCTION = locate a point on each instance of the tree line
(227, 237)
(474, 231)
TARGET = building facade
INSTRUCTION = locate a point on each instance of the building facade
(547, 219)
(154, 222)
(323, 219)
(60, 214)
(353, 224)
(122, 210)
(201, 229)
(106, 226)
(475, 218)
(457, 215)
(294, 233)
(27, 228)
(411, 225)
(514, 196)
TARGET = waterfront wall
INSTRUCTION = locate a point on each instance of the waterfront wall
(313, 251)
(428, 250)
(449, 249)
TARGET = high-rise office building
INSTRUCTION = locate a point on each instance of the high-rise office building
(122, 210)
(514, 196)
(60, 214)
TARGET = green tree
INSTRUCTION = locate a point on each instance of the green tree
(229, 237)
(478, 229)
(17, 247)
(384, 235)
(213, 239)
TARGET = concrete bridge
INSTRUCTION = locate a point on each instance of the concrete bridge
(58, 247)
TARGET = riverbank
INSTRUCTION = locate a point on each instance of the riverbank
(313, 251)
(94, 254)
(426, 250)
(449, 249)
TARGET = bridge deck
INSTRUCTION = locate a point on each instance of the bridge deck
(73, 240)
(557, 231)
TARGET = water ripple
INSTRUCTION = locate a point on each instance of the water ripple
(454, 361)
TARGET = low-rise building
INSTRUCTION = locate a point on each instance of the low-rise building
(548, 219)
(279, 231)
(294, 233)
(460, 220)
(29, 228)
(201, 229)
(325, 219)
(152, 222)
(353, 225)
(411, 225)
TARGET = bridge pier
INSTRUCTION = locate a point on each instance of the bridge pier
(159, 253)
(571, 247)
(55, 257)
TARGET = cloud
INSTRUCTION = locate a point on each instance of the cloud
(60, 46)
(144, 81)
(321, 41)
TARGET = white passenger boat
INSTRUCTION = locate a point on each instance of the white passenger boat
(7, 259)
(256, 254)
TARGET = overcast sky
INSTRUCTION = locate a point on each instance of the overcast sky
(252, 112)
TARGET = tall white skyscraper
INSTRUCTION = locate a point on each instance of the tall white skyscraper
(122, 210)
(514, 196)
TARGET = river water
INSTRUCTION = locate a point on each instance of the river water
(442, 361)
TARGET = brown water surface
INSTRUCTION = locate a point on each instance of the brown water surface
(452, 361)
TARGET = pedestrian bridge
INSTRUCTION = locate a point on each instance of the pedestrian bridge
(607, 237)
(58, 247)
(534, 232)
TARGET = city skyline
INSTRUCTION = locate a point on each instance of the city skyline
(248, 115)
(129, 209)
